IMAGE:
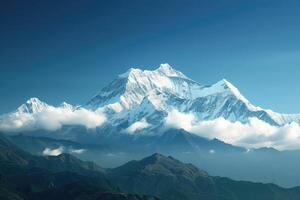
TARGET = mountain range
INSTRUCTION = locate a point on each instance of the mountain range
(146, 97)
(144, 94)
(142, 112)
(25, 176)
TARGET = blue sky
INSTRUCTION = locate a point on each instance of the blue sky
(67, 51)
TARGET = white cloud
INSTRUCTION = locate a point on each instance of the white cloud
(53, 152)
(60, 150)
(178, 119)
(254, 134)
(139, 125)
(51, 118)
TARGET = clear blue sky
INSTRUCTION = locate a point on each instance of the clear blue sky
(68, 50)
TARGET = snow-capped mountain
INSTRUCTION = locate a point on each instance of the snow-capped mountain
(132, 87)
(35, 105)
(131, 117)
(144, 98)
(32, 105)
(139, 94)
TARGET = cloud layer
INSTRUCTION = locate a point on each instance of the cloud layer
(51, 118)
(254, 134)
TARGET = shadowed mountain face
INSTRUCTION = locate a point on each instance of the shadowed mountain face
(166, 177)
(24, 176)
(171, 179)
(214, 156)
(122, 196)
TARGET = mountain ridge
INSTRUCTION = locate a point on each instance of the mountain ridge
(141, 100)
(27, 177)
(170, 179)
(129, 84)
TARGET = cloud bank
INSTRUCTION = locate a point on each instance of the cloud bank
(254, 134)
(51, 118)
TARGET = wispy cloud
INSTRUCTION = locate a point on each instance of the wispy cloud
(60, 150)
(53, 152)
(77, 151)
(139, 125)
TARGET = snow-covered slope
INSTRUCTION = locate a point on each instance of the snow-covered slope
(142, 92)
(130, 88)
(32, 105)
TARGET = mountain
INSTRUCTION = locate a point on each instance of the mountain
(35, 105)
(38, 145)
(24, 176)
(214, 156)
(128, 118)
(171, 179)
(27, 177)
(138, 101)
(139, 94)
(32, 105)
(11, 154)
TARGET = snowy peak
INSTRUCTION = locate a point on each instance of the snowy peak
(163, 70)
(35, 105)
(131, 87)
(229, 86)
(130, 72)
(167, 70)
(68, 106)
(225, 86)
(168, 80)
(177, 91)
(34, 101)
(32, 105)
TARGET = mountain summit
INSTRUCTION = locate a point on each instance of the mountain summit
(171, 179)
(144, 94)
(32, 105)
(132, 87)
